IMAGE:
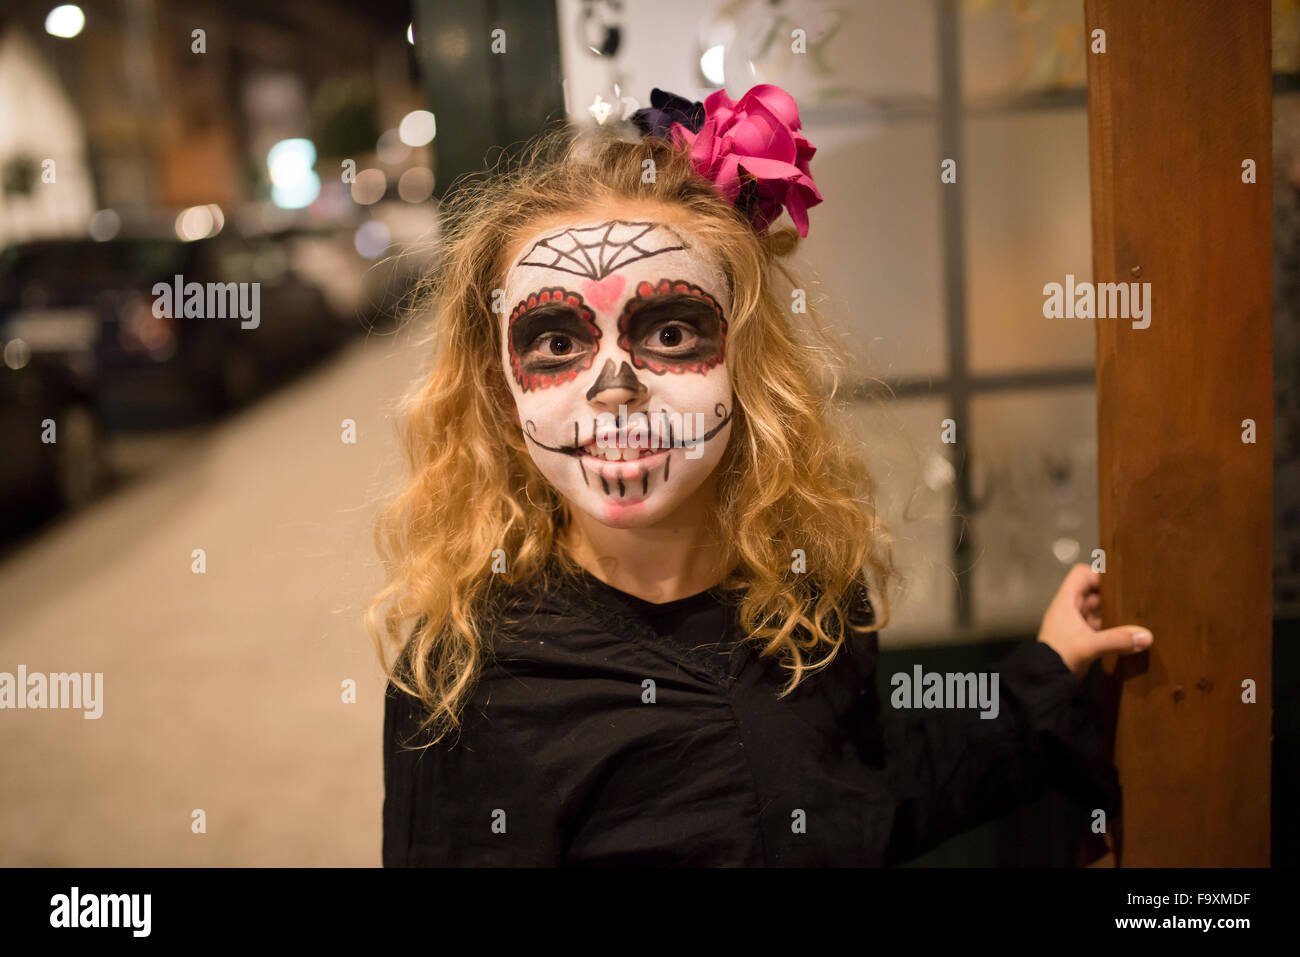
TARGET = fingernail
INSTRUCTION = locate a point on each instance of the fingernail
(1142, 639)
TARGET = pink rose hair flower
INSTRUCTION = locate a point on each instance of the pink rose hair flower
(752, 151)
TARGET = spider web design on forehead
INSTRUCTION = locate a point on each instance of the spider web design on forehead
(593, 252)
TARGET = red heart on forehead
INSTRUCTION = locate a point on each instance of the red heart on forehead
(604, 294)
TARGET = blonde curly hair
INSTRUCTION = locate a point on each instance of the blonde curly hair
(789, 484)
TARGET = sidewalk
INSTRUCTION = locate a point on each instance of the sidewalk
(222, 691)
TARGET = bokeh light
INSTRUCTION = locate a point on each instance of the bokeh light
(104, 225)
(415, 185)
(369, 187)
(372, 239)
(711, 64)
(390, 148)
(65, 21)
(17, 353)
(417, 128)
(294, 184)
(199, 222)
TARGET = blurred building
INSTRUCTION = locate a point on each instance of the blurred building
(42, 144)
(176, 105)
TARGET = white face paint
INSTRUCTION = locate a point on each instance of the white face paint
(615, 351)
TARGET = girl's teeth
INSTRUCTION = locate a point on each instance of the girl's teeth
(613, 454)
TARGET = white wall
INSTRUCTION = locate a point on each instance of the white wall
(38, 120)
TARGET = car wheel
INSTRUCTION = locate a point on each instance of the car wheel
(78, 457)
(239, 378)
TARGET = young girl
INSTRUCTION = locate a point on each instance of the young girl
(645, 571)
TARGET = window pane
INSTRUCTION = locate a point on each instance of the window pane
(1028, 223)
(1034, 479)
(1286, 36)
(877, 51)
(913, 473)
(849, 55)
(875, 247)
(1013, 48)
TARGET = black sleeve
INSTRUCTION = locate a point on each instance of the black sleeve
(477, 799)
(952, 770)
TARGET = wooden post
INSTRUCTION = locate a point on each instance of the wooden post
(1177, 104)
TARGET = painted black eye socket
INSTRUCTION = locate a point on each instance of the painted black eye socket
(673, 326)
(551, 334)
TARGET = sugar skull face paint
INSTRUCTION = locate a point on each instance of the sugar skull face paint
(615, 348)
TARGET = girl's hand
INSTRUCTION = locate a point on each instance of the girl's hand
(1070, 625)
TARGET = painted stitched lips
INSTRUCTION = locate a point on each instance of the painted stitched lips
(622, 452)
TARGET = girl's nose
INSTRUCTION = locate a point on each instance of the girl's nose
(614, 387)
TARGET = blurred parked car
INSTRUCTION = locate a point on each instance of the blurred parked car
(93, 306)
(42, 399)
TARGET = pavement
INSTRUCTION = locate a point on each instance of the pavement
(222, 691)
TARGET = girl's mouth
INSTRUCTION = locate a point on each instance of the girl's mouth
(618, 453)
(622, 477)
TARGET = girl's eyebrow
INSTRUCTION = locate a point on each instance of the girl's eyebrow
(675, 299)
(544, 317)
(543, 309)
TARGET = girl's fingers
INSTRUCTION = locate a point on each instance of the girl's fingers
(1083, 576)
(1077, 583)
(1087, 601)
(1124, 640)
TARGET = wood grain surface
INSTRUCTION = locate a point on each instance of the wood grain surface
(1178, 101)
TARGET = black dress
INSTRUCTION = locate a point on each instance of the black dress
(613, 731)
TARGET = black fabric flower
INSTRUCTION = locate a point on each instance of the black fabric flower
(664, 110)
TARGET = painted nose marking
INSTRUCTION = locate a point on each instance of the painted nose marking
(624, 378)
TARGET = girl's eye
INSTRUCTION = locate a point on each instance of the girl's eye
(556, 345)
(673, 336)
